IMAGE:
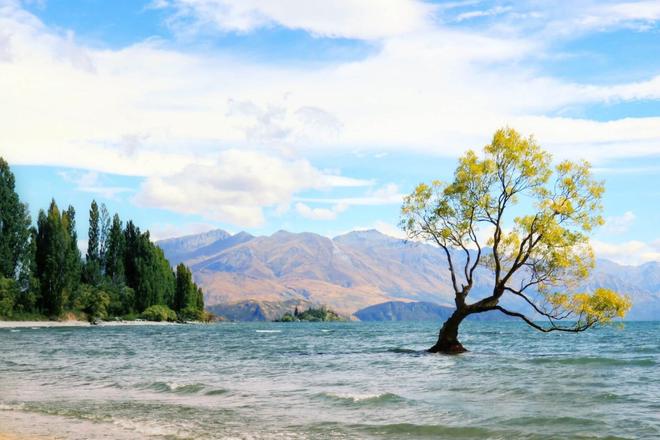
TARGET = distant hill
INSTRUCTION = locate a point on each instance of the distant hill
(418, 311)
(251, 310)
(351, 272)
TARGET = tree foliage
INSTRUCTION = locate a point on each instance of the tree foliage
(114, 252)
(14, 228)
(53, 260)
(92, 267)
(188, 297)
(124, 273)
(537, 218)
(321, 314)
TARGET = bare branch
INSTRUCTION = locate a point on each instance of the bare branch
(578, 328)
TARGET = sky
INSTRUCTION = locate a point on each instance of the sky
(261, 115)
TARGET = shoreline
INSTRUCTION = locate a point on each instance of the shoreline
(73, 323)
(28, 425)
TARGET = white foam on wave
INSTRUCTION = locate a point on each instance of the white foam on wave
(268, 331)
(358, 397)
(145, 428)
(11, 407)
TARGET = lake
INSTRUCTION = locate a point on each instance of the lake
(329, 380)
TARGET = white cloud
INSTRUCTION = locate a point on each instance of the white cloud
(150, 110)
(388, 194)
(379, 225)
(320, 213)
(236, 187)
(627, 170)
(223, 137)
(628, 253)
(365, 19)
(497, 10)
(636, 14)
(91, 182)
(542, 19)
(389, 229)
(619, 224)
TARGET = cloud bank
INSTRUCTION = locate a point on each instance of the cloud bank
(227, 137)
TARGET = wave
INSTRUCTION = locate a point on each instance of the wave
(548, 420)
(362, 399)
(403, 350)
(171, 387)
(268, 331)
(401, 430)
(124, 416)
(11, 406)
(594, 361)
(216, 392)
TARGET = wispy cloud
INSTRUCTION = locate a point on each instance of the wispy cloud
(91, 182)
(320, 213)
(152, 110)
(619, 224)
(386, 195)
(436, 90)
(632, 252)
(497, 10)
(339, 18)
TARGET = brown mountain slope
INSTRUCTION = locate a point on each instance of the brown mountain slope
(347, 273)
(355, 270)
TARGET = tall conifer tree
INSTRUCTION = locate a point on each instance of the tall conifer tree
(14, 227)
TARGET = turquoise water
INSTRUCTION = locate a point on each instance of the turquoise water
(331, 380)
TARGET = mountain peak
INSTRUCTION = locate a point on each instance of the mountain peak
(364, 236)
(201, 238)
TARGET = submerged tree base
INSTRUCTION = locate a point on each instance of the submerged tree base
(448, 348)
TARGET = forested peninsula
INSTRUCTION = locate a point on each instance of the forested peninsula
(124, 275)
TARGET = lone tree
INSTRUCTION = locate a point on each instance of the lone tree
(537, 219)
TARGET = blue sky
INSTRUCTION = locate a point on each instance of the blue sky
(186, 115)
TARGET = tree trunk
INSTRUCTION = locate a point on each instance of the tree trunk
(448, 338)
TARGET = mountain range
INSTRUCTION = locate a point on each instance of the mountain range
(261, 277)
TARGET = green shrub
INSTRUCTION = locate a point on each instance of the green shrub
(122, 299)
(159, 313)
(93, 301)
(191, 313)
(8, 293)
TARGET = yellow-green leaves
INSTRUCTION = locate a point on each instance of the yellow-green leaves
(599, 307)
(576, 196)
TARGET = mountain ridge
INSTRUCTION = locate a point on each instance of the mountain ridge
(355, 270)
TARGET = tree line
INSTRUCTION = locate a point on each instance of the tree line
(123, 274)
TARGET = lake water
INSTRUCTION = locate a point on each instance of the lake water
(329, 380)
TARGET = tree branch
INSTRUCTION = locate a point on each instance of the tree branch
(576, 329)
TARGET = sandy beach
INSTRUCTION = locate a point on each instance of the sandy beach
(18, 425)
(4, 436)
(44, 324)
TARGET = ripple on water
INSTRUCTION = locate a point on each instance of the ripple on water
(412, 430)
(366, 399)
(173, 387)
(593, 361)
(361, 380)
